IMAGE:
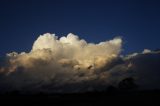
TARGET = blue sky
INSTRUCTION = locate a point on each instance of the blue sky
(137, 21)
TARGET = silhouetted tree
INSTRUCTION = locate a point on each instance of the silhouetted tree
(127, 84)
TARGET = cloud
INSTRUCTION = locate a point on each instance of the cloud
(72, 48)
(58, 62)
(146, 51)
(143, 67)
(70, 64)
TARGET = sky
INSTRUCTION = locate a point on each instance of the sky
(100, 44)
(136, 21)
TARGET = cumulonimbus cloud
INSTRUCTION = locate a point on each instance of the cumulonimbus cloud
(70, 64)
(64, 61)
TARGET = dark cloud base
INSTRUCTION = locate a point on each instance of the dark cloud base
(137, 73)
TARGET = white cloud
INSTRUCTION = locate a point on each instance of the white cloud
(65, 60)
(145, 51)
(70, 64)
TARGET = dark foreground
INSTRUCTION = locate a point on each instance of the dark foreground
(81, 99)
